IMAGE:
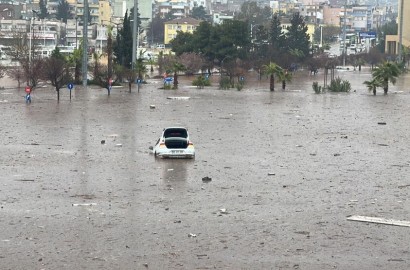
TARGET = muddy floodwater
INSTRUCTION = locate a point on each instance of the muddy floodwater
(79, 188)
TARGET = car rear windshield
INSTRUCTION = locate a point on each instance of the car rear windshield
(175, 132)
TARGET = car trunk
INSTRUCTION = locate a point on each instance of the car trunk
(176, 143)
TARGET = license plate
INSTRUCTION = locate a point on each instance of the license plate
(177, 151)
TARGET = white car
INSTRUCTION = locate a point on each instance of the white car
(174, 143)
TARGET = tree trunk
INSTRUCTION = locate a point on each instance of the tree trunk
(374, 90)
(175, 80)
(283, 85)
(77, 72)
(386, 87)
(129, 85)
(109, 54)
(272, 83)
(58, 94)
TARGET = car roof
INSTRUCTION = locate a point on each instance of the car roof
(175, 128)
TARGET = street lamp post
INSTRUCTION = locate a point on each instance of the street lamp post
(401, 31)
(134, 34)
(344, 35)
(85, 43)
(30, 41)
(76, 34)
(321, 36)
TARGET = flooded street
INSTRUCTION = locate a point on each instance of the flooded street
(79, 188)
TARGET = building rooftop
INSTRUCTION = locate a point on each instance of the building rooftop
(188, 20)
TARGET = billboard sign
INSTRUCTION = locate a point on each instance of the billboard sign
(367, 34)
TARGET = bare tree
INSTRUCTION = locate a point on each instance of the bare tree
(33, 71)
(57, 71)
(31, 65)
(16, 73)
(374, 57)
(19, 48)
(193, 62)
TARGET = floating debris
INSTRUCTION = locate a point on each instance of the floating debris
(84, 204)
(179, 98)
(380, 220)
(223, 211)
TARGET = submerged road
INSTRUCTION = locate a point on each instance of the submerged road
(79, 188)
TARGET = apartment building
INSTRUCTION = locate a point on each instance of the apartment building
(74, 32)
(312, 13)
(331, 15)
(179, 9)
(183, 24)
(361, 18)
(393, 41)
(119, 7)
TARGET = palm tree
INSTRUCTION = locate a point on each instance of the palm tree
(75, 60)
(372, 85)
(284, 76)
(273, 70)
(96, 65)
(385, 73)
(140, 69)
(177, 67)
(151, 62)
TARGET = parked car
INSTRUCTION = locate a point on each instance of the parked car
(174, 143)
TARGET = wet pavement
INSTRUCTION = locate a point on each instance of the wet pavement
(287, 168)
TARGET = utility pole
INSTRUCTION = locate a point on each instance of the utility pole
(134, 34)
(85, 43)
(344, 35)
(31, 41)
(76, 37)
(401, 31)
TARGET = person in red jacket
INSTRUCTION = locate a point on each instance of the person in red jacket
(28, 94)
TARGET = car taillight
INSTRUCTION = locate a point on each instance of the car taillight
(162, 145)
(190, 144)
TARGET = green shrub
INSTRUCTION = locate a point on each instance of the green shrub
(201, 81)
(225, 83)
(168, 86)
(317, 88)
(239, 85)
(337, 85)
